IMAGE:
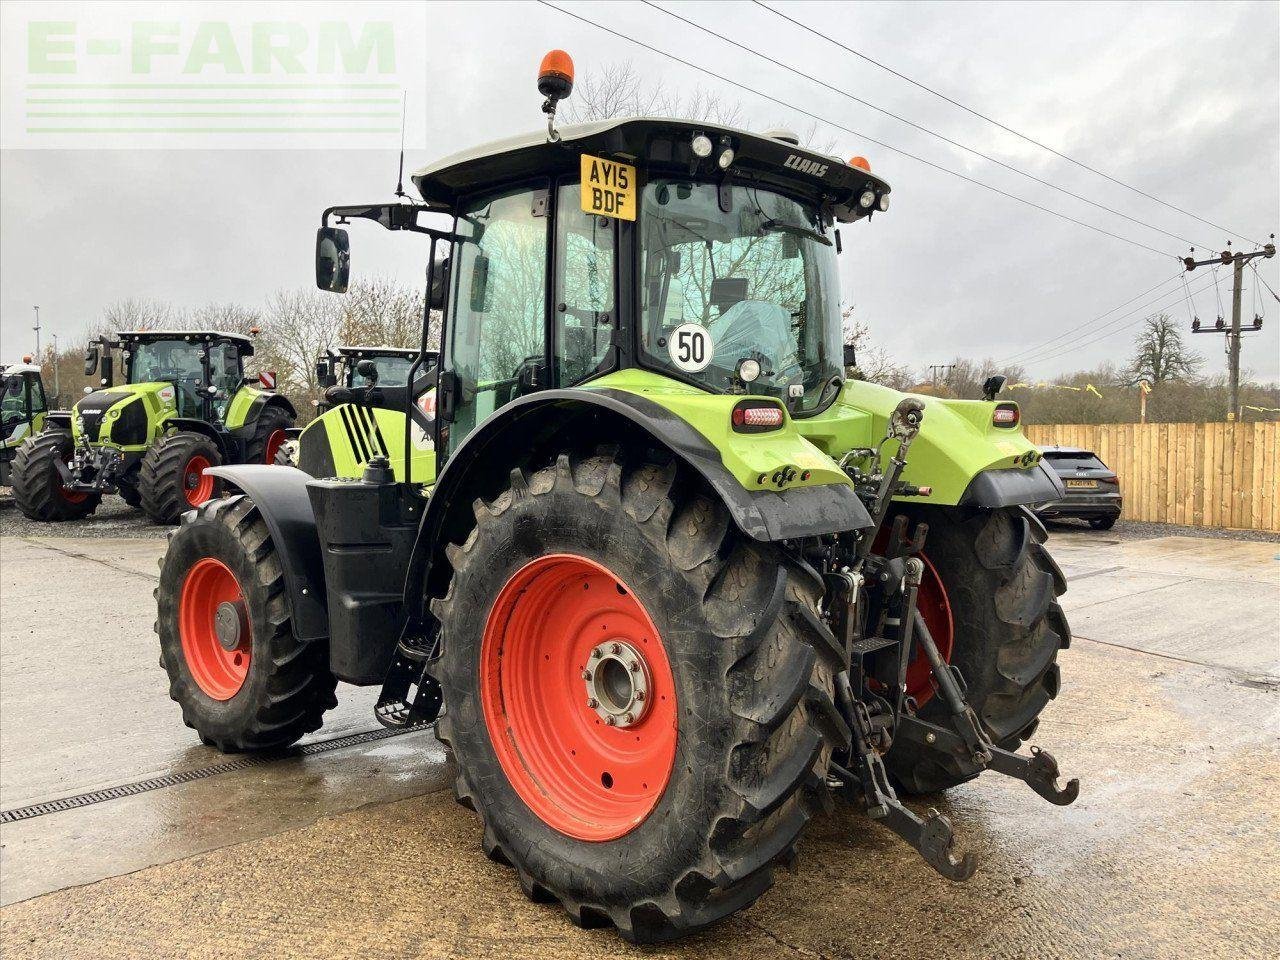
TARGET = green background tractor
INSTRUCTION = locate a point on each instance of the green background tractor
(185, 405)
(22, 410)
(672, 580)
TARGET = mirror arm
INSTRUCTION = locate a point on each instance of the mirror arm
(392, 216)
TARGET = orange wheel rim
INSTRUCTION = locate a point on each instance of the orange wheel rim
(197, 486)
(274, 442)
(578, 697)
(213, 626)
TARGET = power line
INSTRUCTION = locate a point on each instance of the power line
(1088, 323)
(1054, 355)
(923, 129)
(837, 126)
(997, 123)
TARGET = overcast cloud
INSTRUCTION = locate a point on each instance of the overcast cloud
(1182, 100)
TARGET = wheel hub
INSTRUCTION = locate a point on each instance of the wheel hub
(617, 680)
(229, 623)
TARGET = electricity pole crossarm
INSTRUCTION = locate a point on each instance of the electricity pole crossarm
(1237, 262)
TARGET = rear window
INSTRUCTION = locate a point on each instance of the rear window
(1075, 461)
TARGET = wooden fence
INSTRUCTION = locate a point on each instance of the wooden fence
(1201, 474)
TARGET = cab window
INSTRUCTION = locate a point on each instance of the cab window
(585, 317)
(497, 340)
(37, 397)
(224, 374)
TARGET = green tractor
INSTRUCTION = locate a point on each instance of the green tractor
(22, 410)
(345, 435)
(185, 406)
(672, 581)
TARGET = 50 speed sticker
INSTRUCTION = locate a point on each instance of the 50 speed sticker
(690, 347)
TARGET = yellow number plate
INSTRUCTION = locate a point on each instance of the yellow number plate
(1082, 483)
(608, 188)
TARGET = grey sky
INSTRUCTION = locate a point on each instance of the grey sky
(1182, 100)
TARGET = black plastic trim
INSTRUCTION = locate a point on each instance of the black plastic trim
(1011, 486)
(280, 494)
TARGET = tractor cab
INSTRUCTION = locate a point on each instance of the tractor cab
(22, 410)
(698, 253)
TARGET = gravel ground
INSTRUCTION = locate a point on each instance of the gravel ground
(115, 518)
(1140, 530)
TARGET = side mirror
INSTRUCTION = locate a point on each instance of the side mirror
(480, 284)
(993, 386)
(439, 284)
(108, 377)
(850, 355)
(369, 370)
(333, 259)
(90, 359)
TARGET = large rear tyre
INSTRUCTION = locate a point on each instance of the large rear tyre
(243, 680)
(268, 435)
(37, 484)
(172, 478)
(638, 698)
(1002, 589)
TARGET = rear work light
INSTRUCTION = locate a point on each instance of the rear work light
(1005, 415)
(756, 416)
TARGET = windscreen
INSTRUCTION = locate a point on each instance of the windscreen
(13, 402)
(740, 274)
(392, 372)
(172, 360)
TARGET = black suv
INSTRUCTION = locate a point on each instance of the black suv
(1093, 490)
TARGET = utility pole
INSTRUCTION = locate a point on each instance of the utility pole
(36, 328)
(57, 393)
(1237, 262)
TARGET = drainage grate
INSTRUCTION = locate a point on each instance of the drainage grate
(175, 779)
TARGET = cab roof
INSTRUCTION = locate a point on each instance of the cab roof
(201, 336)
(656, 144)
(16, 368)
(377, 351)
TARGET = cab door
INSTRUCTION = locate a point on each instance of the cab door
(496, 341)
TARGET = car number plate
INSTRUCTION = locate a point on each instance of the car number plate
(1088, 484)
(608, 188)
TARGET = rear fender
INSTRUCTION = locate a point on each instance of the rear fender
(247, 405)
(533, 428)
(280, 494)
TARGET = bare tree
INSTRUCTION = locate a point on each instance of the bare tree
(874, 363)
(1161, 354)
(617, 90)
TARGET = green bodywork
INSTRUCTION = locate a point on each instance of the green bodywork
(957, 440)
(354, 433)
(159, 401)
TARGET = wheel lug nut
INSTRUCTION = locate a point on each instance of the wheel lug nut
(586, 674)
(639, 697)
(610, 721)
(595, 654)
(628, 718)
(592, 702)
(615, 648)
(635, 666)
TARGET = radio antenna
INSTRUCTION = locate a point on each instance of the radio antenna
(404, 99)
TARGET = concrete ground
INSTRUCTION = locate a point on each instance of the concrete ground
(1168, 715)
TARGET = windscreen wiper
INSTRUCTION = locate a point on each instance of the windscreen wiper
(795, 229)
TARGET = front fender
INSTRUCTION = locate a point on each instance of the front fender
(280, 494)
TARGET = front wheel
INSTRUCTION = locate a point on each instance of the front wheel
(998, 588)
(241, 677)
(37, 483)
(639, 700)
(172, 479)
(269, 435)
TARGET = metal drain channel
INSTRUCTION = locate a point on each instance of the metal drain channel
(175, 779)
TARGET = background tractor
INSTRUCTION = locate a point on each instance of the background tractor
(366, 392)
(185, 405)
(22, 410)
(671, 581)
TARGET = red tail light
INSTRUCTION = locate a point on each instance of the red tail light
(756, 416)
(1005, 415)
